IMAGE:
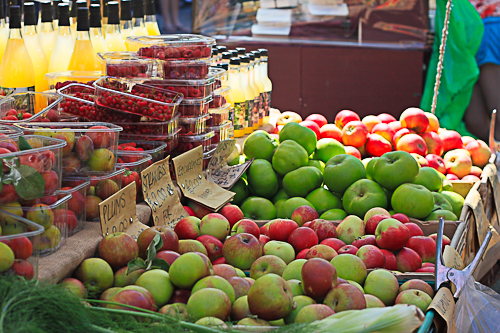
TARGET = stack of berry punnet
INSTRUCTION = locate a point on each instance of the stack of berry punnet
(57, 80)
(221, 108)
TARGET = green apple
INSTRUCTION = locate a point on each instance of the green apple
(342, 171)
(96, 274)
(289, 156)
(373, 302)
(122, 279)
(191, 245)
(446, 214)
(429, 177)
(280, 195)
(6, 257)
(299, 182)
(334, 215)
(186, 270)
(350, 267)
(241, 190)
(286, 209)
(175, 310)
(211, 322)
(456, 201)
(317, 164)
(413, 200)
(362, 196)
(280, 249)
(158, 283)
(76, 287)
(294, 269)
(301, 302)
(415, 297)
(209, 302)
(369, 167)
(417, 284)
(240, 272)
(395, 168)
(266, 265)
(240, 309)
(296, 287)
(270, 298)
(323, 200)
(257, 208)
(279, 203)
(312, 313)
(262, 180)
(327, 148)
(304, 136)
(216, 282)
(253, 322)
(440, 202)
(350, 228)
(357, 285)
(215, 224)
(259, 145)
(382, 284)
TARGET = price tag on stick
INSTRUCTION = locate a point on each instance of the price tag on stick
(160, 194)
(219, 172)
(188, 171)
(118, 213)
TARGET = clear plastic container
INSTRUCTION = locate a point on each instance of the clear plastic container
(100, 188)
(181, 46)
(222, 132)
(193, 108)
(52, 214)
(135, 98)
(171, 140)
(57, 80)
(193, 126)
(153, 130)
(20, 234)
(68, 118)
(29, 106)
(134, 162)
(45, 158)
(188, 142)
(185, 69)
(78, 100)
(91, 147)
(219, 97)
(207, 156)
(219, 115)
(9, 131)
(129, 65)
(76, 205)
(154, 148)
(189, 88)
(220, 76)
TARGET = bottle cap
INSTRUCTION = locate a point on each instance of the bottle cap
(113, 16)
(15, 17)
(215, 51)
(256, 54)
(29, 14)
(126, 10)
(226, 55)
(104, 8)
(95, 2)
(221, 48)
(251, 56)
(2, 13)
(138, 6)
(55, 9)
(82, 22)
(234, 61)
(224, 66)
(63, 10)
(241, 50)
(149, 7)
(81, 3)
(46, 9)
(245, 59)
(73, 12)
(95, 16)
(234, 53)
(263, 52)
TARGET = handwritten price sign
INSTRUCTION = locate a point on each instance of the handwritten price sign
(118, 213)
(160, 194)
(219, 172)
(188, 171)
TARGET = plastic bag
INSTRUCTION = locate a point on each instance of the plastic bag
(477, 309)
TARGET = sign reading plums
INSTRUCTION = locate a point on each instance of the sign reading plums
(219, 172)
(118, 213)
(160, 194)
(189, 175)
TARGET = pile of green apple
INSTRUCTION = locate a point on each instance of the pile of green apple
(301, 170)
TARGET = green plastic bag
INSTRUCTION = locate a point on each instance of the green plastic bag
(460, 70)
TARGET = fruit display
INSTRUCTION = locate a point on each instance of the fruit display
(219, 115)
(182, 46)
(193, 108)
(197, 89)
(57, 80)
(135, 98)
(76, 213)
(188, 142)
(16, 247)
(154, 148)
(193, 126)
(90, 147)
(29, 106)
(221, 132)
(35, 163)
(99, 189)
(128, 65)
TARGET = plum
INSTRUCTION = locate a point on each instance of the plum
(69, 137)
(92, 203)
(51, 182)
(102, 139)
(84, 148)
(42, 215)
(77, 203)
(71, 164)
(106, 188)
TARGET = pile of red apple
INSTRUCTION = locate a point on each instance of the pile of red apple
(299, 272)
(416, 132)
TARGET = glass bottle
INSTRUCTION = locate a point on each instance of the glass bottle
(225, 57)
(63, 48)
(55, 14)
(260, 86)
(114, 39)
(96, 36)
(47, 34)
(138, 18)
(4, 32)
(238, 97)
(16, 69)
(249, 92)
(268, 85)
(150, 18)
(84, 57)
(256, 101)
(126, 26)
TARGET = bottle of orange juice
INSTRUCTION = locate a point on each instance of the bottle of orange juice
(114, 39)
(84, 57)
(47, 34)
(96, 36)
(150, 18)
(16, 69)
(238, 96)
(63, 48)
(138, 18)
(126, 26)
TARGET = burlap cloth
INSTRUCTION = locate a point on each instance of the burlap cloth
(80, 246)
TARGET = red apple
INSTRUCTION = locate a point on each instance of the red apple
(471, 178)
(428, 264)
(371, 256)
(372, 223)
(476, 171)
(414, 230)
(434, 143)
(414, 119)
(168, 236)
(377, 146)
(426, 270)
(241, 250)
(466, 139)
(189, 210)
(391, 234)
(180, 296)
(436, 162)
(344, 117)
(401, 218)
(390, 260)
(385, 131)
(395, 125)
(446, 240)
(318, 277)
(232, 213)
(188, 228)
(220, 261)
(479, 152)
(302, 254)
(312, 126)
(280, 229)
(302, 238)
(370, 122)
(408, 260)
(412, 143)
(307, 224)
(354, 133)
(433, 122)
(334, 243)
(451, 176)
(212, 245)
(304, 214)
(348, 249)
(324, 229)
(22, 247)
(288, 117)
(117, 249)
(386, 118)
(263, 239)
(451, 140)
(246, 226)
(318, 119)
(458, 162)
(330, 131)
(264, 230)
(399, 134)
(350, 150)
(364, 240)
(168, 256)
(225, 271)
(424, 246)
